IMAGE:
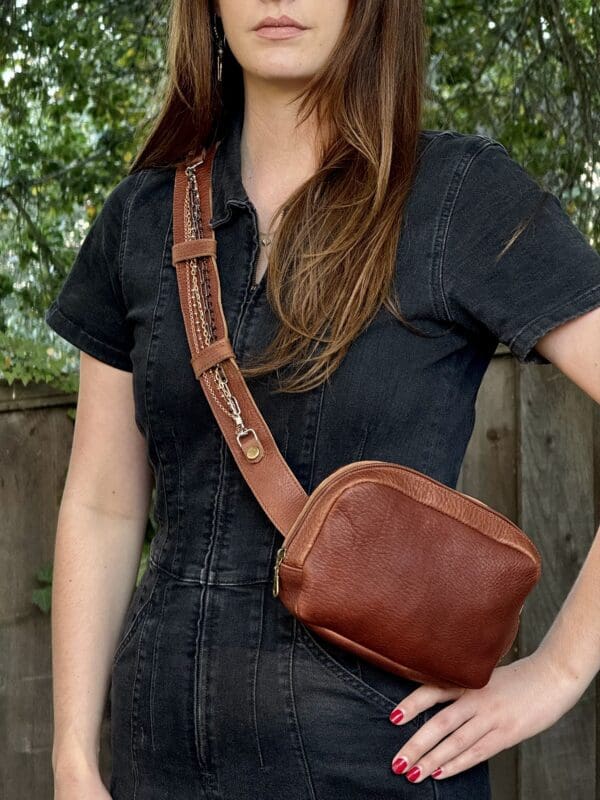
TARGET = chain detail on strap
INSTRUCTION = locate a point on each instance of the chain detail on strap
(204, 330)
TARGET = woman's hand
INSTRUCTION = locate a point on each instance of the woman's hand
(520, 699)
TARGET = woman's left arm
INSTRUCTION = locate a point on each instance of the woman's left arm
(550, 681)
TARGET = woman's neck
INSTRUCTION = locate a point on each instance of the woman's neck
(276, 157)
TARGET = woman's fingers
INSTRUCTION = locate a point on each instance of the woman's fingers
(486, 746)
(421, 699)
(444, 742)
(429, 736)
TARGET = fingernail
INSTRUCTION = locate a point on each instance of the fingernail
(396, 716)
(399, 764)
(413, 773)
(436, 772)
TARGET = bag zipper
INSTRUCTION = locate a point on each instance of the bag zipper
(278, 559)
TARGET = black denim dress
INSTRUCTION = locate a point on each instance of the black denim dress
(217, 691)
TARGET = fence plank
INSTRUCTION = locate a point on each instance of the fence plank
(35, 447)
(557, 511)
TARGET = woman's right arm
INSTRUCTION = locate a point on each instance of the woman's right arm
(101, 526)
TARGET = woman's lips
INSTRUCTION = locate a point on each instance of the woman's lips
(279, 32)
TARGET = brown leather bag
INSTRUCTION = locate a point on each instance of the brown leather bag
(416, 577)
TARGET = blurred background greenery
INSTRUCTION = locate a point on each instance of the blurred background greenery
(78, 84)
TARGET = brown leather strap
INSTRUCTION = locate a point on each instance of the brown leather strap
(255, 452)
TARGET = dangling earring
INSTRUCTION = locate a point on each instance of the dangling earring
(220, 49)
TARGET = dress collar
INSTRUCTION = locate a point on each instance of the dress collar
(227, 186)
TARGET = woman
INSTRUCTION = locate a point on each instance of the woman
(216, 691)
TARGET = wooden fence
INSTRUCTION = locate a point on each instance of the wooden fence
(534, 455)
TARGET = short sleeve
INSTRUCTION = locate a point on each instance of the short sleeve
(550, 274)
(90, 310)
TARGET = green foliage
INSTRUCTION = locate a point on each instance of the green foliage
(25, 360)
(77, 85)
(42, 597)
(525, 74)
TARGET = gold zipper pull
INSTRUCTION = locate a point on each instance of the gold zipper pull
(278, 560)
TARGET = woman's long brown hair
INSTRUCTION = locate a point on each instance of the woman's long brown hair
(333, 256)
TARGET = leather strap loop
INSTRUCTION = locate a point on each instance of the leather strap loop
(184, 251)
(211, 355)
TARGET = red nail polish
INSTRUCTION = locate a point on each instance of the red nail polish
(397, 715)
(436, 772)
(399, 765)
(413, 773)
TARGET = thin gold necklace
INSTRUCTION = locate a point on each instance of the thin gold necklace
(265, 238)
